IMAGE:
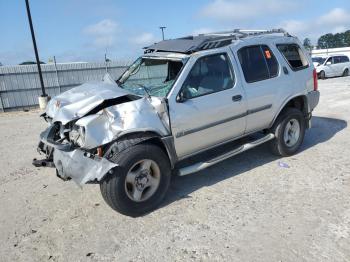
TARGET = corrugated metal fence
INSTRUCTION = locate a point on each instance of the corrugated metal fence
(20, 85)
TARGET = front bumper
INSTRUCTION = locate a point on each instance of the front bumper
(80, 166)
(72, 163)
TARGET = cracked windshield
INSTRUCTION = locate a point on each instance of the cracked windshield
(150, 76)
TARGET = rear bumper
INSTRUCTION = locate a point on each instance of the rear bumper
(313, 98)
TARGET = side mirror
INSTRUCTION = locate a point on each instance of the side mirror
(181, 97)
(328, 63)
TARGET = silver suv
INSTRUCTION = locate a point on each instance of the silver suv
(186, 104)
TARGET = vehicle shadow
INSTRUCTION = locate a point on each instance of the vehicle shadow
(323, 129)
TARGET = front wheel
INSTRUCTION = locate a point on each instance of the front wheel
(322, 75)
(289, 131)
(346, 72)
(140, 182)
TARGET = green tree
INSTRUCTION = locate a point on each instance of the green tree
(347, 38)
(325, 41)
(338, 40)
(307, 44)
(334, 40)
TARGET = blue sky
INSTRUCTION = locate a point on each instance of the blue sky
(82, 30)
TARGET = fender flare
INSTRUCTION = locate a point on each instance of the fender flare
(286, 101)
(167, 142)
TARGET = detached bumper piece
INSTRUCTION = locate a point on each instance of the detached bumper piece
(46, 162)
(43, 162)
(81, 166)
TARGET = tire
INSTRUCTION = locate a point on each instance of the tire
(322, 75)
(118, 191)
(346, 72)
(287, 137)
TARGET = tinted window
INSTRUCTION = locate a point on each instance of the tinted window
(319, 60)
(337, 60)
(271, 61)
(344, 59)
(294, 55)
(209, 74)
(258, 63)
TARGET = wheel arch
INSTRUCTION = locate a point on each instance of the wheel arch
(299, 101)
(166, 143)
(324, 71)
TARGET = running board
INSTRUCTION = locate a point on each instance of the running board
(202, 165)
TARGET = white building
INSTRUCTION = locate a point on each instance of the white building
(331, 51)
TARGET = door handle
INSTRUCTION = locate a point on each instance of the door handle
(236, 98)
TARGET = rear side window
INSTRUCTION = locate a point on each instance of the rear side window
(294, 55)
(258, 63)
(271, 61)
(337, 60)
(344, 59)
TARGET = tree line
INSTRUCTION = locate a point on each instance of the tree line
(330, 41)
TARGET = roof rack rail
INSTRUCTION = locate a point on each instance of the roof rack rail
(247, 32)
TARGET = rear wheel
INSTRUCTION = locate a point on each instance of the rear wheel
(322, 75)
(289, 131)
(346, 72)
(140, 182)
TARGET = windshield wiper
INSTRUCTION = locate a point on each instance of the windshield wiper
(146, 91)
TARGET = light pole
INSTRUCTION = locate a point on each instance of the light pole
(162, 28)
(35, 50)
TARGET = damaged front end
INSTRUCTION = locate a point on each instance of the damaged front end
(84, 121)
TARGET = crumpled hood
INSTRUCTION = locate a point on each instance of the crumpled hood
(79, 101)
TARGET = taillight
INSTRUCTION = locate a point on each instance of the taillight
(315, 80)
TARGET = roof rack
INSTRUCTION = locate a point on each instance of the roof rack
(200, 42)
(247, 32)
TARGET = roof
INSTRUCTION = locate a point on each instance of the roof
(191, 44)
(185, 45)
(166, 55)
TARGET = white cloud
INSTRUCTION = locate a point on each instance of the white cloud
(203, 30)
(335, 17)
(144, 39)
(103, 33)
(228, 10)
(335, 21)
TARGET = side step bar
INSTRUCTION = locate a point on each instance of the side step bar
(202, 165)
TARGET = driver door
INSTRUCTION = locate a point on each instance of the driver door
(330, 68)
(210, 107)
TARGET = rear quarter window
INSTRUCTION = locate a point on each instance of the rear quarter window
(294, 56)
(258, 63)
(344, 59)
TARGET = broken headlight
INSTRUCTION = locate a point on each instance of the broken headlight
(77, 135)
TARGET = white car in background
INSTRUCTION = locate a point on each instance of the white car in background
(331, 66)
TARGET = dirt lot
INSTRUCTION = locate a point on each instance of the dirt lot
(247, 208)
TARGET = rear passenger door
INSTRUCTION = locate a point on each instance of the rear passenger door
(338, 65)
(261, 74)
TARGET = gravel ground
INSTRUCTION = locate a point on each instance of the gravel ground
(247, 208)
